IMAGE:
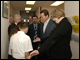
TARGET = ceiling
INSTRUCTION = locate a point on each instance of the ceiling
(20, 5)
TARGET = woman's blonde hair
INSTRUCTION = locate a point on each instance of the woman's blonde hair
(57, 13)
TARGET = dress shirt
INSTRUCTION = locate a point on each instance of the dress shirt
(20, 43)
(30, 23)
(15, 23)
(45, 25)
(35, 25)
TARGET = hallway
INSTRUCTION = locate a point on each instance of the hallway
(71, 8)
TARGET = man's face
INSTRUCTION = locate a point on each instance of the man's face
(30, 19)
(10, 20)
(35, 20)
(18, 19)
(43, 17)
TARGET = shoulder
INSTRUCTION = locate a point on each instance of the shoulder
(9, 26)
(31, 25)
(12, 25)
(27, 36)
(65, 21)
(52, 23)
(13, 36)
(39, 24)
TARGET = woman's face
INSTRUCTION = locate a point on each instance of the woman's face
(56, 20)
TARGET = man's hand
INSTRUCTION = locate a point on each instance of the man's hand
(37, 40)
(38, 48)
(34, 53)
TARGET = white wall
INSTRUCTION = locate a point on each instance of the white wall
(11, 11)
(38, 12)
(4, 36)
(71, 9)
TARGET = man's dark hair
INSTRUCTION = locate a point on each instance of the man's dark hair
(45, 12)
(24, 25)
(34, 16)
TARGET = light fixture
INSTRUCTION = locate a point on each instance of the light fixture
(30, 2)
(5, 1)
(57, 3)
(27, 8)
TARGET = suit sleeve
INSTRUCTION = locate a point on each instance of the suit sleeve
(54, 37)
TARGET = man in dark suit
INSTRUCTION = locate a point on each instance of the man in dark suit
(34, 32)
(48, 24)
(17, 19)
(46, 29)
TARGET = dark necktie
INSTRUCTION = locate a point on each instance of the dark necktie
(35, 32)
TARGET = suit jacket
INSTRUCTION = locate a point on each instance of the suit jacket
(58, 43)
(10, 28)
(51, 25)
(31, 34)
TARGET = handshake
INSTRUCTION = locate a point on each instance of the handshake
(34, 53)
(37, 40)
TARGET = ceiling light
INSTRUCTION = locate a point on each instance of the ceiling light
(57, 3)
(30, 2)
(27, 8)
(5, 1)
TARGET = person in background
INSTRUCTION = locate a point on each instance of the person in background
(22, 19)
(39, 20)
(34, 33)
(30, 20)
(11, 20)
(20, 43)
(17, 19)
(14, 30)
(58, 43)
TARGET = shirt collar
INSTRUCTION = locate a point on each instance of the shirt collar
(9, 23)
(30, 22)
(34, 24)
(20, 32)
(15, 23)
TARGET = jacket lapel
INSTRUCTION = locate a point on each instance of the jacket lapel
(48, 25)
